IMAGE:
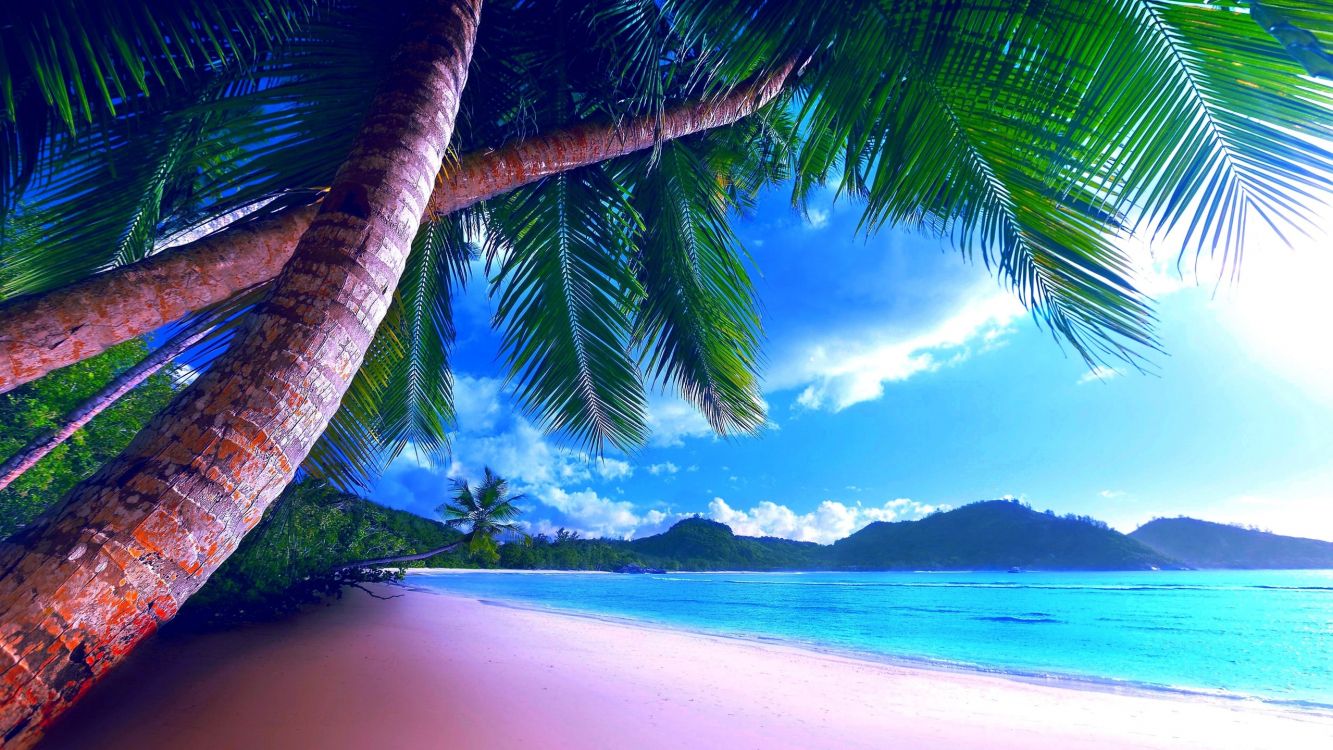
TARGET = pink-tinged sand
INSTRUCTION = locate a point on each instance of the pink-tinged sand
(432, 671)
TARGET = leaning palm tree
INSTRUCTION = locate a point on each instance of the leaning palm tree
(601, 147)
(486, 513)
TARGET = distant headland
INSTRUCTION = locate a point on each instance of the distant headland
(987, 535)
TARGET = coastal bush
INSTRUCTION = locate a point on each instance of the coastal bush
(33, 409)
(291, 558)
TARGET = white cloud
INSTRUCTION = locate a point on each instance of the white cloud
(1099, 374)
(848, 368)
(611, 468)
(593, 514)
(477, 403)
(663, 468)
(827, 523)
(817, 218)
(1111, 494)
(671, 420)
(551, 476)
(186, 374)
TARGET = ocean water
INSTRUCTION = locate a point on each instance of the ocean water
(1259, 634)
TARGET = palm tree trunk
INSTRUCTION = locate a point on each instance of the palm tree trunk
(44, 332)
(89, 580)
(36, 450)
(402, 558)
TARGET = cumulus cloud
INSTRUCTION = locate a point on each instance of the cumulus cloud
(671, 420)
(817, 218)
(477, 403)
(612, 468)
(1099, 374)
(663, 468)
(830, 521)
(558, 481)
(596, 515)
(847, 368)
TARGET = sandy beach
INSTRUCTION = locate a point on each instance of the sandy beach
(431, 671)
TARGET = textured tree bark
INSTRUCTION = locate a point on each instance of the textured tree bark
(44, 332)
(82, 586)
(27, 456)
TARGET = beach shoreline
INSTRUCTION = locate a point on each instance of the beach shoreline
(1059, 680)
(427, 669)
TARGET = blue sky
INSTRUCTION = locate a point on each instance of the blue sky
(901, 379)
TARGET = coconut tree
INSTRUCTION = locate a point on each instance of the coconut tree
(486, 512)
(85, 583)
(606, 146)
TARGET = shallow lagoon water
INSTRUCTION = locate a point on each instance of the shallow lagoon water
(1262, 634)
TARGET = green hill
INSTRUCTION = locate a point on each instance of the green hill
(1202, 544)
(701, 544)
(994, 535)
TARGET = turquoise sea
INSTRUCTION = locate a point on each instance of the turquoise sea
(1261, 634)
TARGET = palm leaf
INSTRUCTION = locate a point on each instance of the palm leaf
(564, 290)
(1036, 135)
(403, 393)
(698, 323)
(70, 63)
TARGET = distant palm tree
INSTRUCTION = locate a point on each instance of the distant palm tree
(486, 513)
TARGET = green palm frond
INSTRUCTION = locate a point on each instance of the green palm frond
(228, 139)
(418, 405)
(67, 63)
(565, 289)
(486, 511)
(1037, 135)
(698, 324)
(403, 392)
(1250, 130)
(79, 226)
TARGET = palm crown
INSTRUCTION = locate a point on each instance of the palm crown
(1036, 136)
(486, 512)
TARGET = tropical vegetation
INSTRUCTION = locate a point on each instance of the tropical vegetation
(295, 557)
(322, 177)
(32, 411)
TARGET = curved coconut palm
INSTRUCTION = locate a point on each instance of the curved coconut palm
(249, 420)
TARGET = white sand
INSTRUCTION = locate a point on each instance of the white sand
(431, 671)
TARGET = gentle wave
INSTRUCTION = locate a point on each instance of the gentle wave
(1261, 634)
(1001, 585)
(1017, 619)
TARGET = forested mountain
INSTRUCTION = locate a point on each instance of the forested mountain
(1203, 544)
(316, 528)
(992, 535)
(701, 544)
